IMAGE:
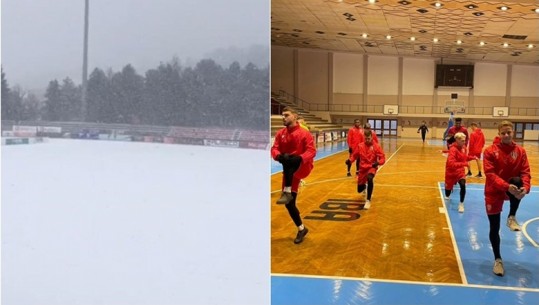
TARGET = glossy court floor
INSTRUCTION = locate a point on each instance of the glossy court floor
(411, 247)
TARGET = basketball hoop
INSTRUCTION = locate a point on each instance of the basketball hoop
(454, 106)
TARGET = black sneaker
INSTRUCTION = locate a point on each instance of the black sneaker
(348, 174)
(285, 198)
(301, 235)
(469, 174)
(479, 176)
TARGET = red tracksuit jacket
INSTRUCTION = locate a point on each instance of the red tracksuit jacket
(296, 141)
(453, 130)
(355, 136)
(477, 141)
(367, 155)
(502, 162)
(457, 159)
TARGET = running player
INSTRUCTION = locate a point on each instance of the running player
(457, 160)
(371, 156)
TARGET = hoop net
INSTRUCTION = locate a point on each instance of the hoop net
(454, 107)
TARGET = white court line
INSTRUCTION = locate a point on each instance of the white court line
(393, 154)
(525, 232)
(308, 276)
(453, 239)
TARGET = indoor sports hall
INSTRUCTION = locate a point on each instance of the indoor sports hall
(400, 65)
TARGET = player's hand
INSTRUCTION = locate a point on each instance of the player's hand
(513, 190)
(295, 158)
(283, 157)
(520, 193)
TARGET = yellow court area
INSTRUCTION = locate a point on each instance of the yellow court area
(405, 234)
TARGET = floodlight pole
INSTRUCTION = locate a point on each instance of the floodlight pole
(84, 105)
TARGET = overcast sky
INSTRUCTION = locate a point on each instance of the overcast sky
(42, 40)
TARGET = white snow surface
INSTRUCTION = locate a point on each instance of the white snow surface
(98, 222)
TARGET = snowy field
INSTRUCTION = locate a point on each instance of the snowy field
(97, 222)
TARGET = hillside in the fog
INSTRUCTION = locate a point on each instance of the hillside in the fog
(256, 54)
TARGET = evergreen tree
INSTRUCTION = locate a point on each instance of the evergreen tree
(7, 105)
(193, 88)
(31, 108)
(17, 103)
(256, 96)
(163, 102)
(206, 95)
(99, 97)
(128, 91)
(211, 99)
(53, 108)
(70, 101)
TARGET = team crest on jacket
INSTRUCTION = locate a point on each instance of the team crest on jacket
(514, 155)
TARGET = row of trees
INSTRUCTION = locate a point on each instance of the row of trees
(169, 95)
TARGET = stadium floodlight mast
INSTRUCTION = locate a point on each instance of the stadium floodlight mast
(84, 105)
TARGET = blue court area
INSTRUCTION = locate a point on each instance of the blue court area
(519, 250)
(322, 151)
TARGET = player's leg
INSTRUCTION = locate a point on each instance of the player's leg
(290, 166)
(349, 165)
(478, 162)
(494, 237)
(294, 213)
(462, 184)
(514, 203)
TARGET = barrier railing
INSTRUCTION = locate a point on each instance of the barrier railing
(403, 109)
(141, 133)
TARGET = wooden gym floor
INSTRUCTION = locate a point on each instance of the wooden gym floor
(403, 236)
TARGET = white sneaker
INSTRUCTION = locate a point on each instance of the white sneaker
(513, 224)
(446, 197)
(461, 207)
(367, 205)
(498, 267)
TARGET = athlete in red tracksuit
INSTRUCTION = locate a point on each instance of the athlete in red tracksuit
(475, 147)
(374, 136)
(507, 173)
(294, 148)
(457, 159)
(453, 131)
(354, 137)
(371, 156)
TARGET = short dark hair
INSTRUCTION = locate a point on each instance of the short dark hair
(367, 132)
(458, 120)
(288, 108)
